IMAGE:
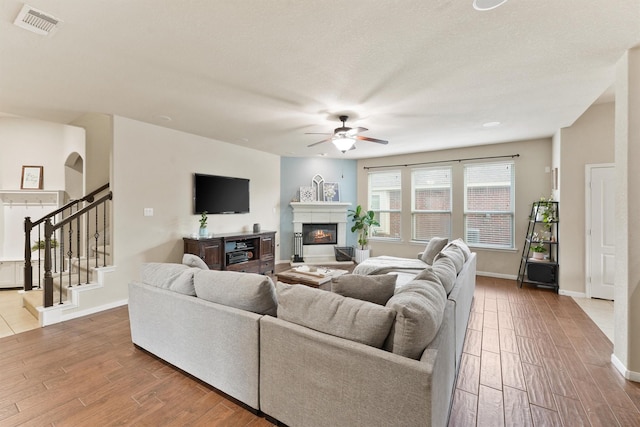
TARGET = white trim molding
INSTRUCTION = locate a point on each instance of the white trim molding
(497, 275)
(572, 293)
(630, 375)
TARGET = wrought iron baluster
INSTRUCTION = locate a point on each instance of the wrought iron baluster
(96, 235)
(78, 228)
(87, 243)
(104, 228)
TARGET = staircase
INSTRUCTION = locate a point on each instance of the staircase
(81, 257)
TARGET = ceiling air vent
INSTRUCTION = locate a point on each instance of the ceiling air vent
(37, 21)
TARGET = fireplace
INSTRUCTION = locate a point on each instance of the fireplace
(319, 234)
(330, 222)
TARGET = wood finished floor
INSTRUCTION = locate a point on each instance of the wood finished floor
(534, 358)
(531, 358)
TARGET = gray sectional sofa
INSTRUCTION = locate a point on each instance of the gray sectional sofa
(308, 357)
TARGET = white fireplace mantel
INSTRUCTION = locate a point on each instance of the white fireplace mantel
(321, 213)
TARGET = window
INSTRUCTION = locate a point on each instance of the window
(489, 204)
(431, 203)
(385, 199)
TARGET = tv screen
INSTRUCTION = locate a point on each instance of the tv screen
(220, 194)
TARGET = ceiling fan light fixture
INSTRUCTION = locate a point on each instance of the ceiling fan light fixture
(343, 143)
(484, 5)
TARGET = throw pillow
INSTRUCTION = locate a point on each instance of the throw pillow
(375, 289)
(419, 308)
(333, 314)
(435, 245)
(175, 277)
(463, 247)
(194, 261)
(245, 291)
(455, 254)
(446, 271)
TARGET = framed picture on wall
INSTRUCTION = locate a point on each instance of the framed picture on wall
(331, 192)
(31, 178)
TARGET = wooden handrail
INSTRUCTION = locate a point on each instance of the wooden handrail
(88, 198)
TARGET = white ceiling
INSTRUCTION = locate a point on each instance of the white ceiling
(424, 75)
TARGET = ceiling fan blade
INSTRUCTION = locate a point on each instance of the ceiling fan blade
(318, 133)
(319, 142)
(365, 138)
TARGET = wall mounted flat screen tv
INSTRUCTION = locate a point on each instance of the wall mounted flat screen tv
(220, 194)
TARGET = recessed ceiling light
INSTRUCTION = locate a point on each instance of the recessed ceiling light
(490, 124)
(487, 4)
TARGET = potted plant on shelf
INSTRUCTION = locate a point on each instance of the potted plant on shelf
(203, 225)
(538, 251)
(545, 211)
(362, 223)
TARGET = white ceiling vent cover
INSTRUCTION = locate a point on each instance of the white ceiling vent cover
(37, 21)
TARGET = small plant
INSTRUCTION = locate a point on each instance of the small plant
(362, 222)
(203, 220)
(39, 245)
(539, 248)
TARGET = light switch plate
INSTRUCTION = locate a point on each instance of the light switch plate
(148, 211)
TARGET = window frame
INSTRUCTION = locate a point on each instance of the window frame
(379, 211)
(415, 211)
(511, 212)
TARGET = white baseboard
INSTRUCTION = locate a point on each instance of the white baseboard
(572, 293)
(94, 310)
(630, 375)
(496, 275)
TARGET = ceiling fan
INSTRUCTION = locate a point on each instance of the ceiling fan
(344, 138)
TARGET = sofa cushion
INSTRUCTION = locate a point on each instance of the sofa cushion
(455, 254)
(376, 289)
(446, 271)
(419, 308)
(175, 277)
(334, 314)
(429, 274)
(463, 247)
(435, 245)
(194, 261)
(246, 291)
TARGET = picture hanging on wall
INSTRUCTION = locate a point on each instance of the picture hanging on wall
(31, 178)
(331, 192)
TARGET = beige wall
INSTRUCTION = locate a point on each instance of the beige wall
(99, 137)
(590, 140)
(532, 182)
(152, 168)
(627, 160)
(31, 142)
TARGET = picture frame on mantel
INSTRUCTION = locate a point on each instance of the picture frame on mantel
(31, 178)
(331, 192)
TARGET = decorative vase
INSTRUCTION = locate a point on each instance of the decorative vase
(203, 232)
(361, 255)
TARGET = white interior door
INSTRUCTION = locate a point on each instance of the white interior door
(601, 230)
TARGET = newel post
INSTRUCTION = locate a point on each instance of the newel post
(28, 271)
(48, 277)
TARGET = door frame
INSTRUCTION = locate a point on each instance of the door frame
(587, 223)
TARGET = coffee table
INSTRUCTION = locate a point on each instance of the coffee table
(315, 279)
